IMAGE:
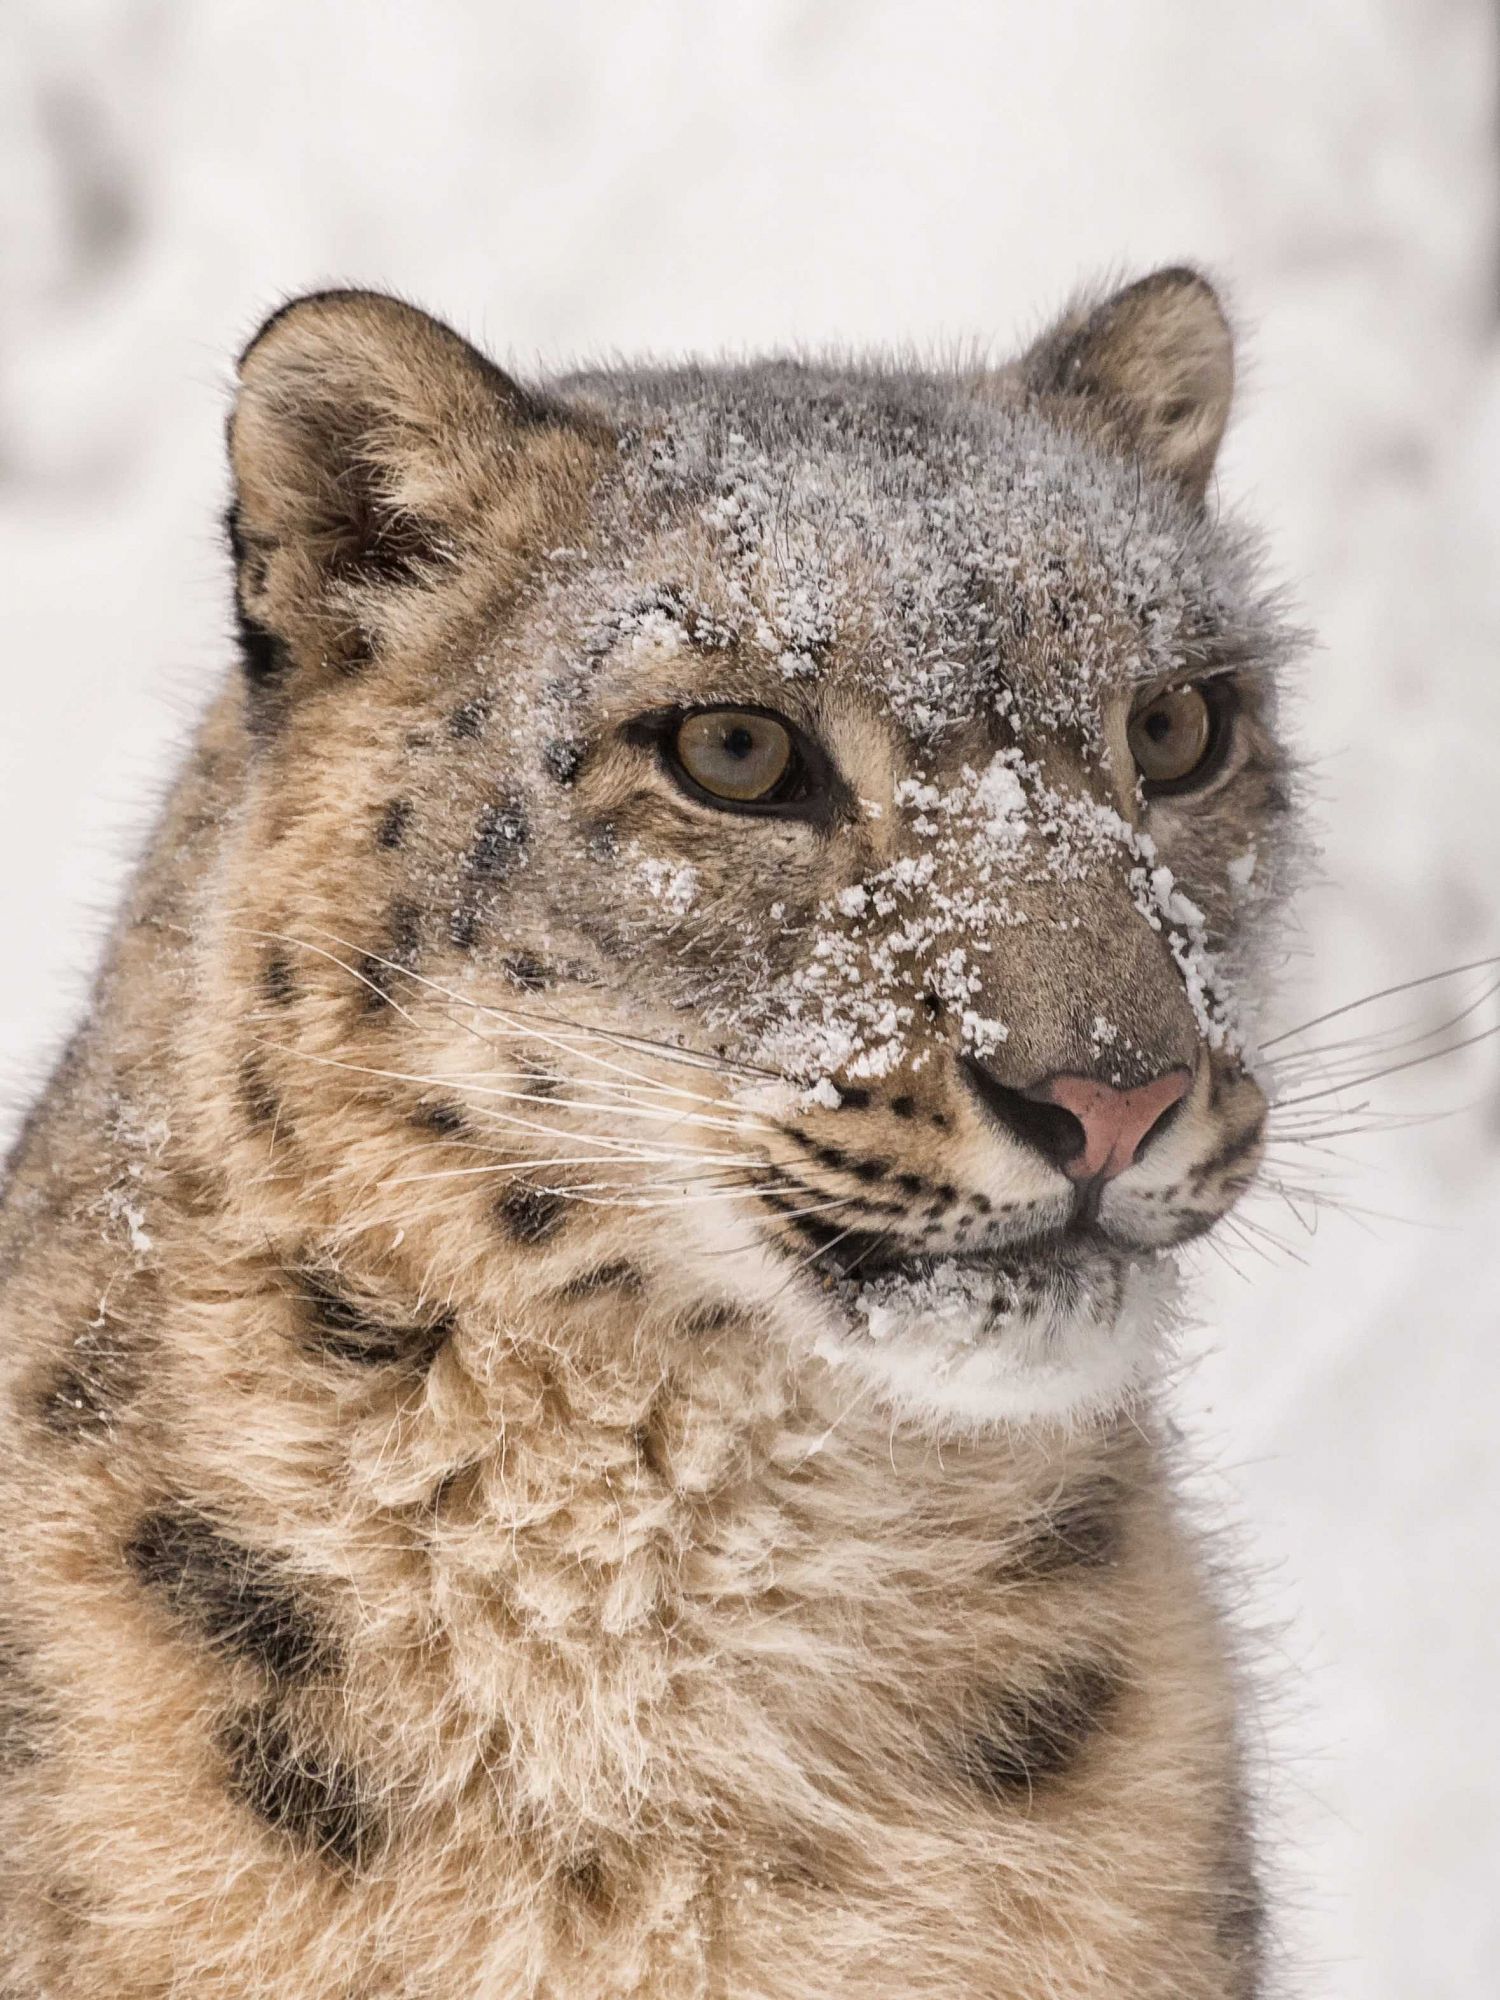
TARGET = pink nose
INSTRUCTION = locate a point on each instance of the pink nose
(1115, 1122)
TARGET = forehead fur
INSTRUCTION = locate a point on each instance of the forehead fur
(941, 548)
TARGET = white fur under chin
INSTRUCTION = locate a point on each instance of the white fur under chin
(935, 1349)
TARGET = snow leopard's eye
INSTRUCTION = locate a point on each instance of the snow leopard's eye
(736, 755)
(1178, 737)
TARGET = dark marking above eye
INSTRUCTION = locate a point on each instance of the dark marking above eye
(316, 1800)
(1037, 1734)
(531, 1215)
(391, 831)
(239, 1600)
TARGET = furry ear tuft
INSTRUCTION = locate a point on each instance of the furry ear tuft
(1156, 362)
(368, 443)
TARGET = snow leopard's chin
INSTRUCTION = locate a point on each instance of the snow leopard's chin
(1065, 1334)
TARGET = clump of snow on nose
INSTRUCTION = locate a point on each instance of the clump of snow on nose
(917, 932)
(1178, 917)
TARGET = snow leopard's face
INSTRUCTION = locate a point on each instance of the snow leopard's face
(852, 795)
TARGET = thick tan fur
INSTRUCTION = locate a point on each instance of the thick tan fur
(427, 1576)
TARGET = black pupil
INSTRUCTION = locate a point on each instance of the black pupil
(1158, 725)
(739, 741)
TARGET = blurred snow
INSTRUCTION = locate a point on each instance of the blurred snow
(588, 178)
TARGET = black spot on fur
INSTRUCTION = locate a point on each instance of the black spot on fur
(468, 719)
(562, 760)
(871, 1170)
(335, 1324)
(278, 979)
(315, 1800)
(445, 1119)
(1238, 1146)
(841, 1249)
(853, 1097)
(607, 1278)
(265, 657)
(531, 1214)
(903, 1106)
(529, 973)
(85, 1397)
(237, 1599)
(259, 1099)
(499, 843)
(391, 831)
(1037, 1734)
(380, 973)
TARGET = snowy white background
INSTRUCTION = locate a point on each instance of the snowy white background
(630, 174)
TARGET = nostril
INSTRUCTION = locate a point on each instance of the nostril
(1047, 1128)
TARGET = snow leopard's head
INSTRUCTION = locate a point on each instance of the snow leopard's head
(797, 831)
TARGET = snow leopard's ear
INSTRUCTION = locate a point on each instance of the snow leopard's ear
(1155, 362)
(372, 449)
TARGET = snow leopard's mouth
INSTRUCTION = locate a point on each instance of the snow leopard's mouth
(1054, 1265)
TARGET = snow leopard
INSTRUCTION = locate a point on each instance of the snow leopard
(583, 1323)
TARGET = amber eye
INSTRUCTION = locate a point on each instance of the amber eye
(1175, 737)
(735, 754)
